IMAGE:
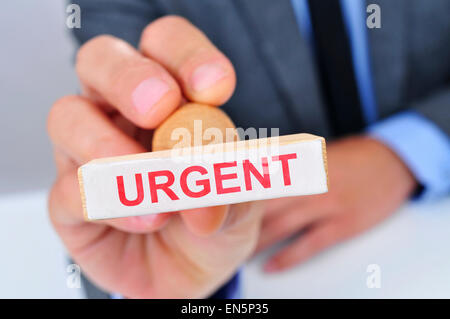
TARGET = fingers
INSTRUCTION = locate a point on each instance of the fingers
(205, 221)
(63, 162)
(282, 226)
(141, 89)
(81, 130)
(205, 75)
(139, 224)
(203, 72)
(280, 205)
(316, 239)
(283, 221)
(64, 200)
(209, 220)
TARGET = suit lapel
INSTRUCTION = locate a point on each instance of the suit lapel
(288, 59)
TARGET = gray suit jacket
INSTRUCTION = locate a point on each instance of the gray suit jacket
(277, 80)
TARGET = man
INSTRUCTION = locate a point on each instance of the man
(381, 97)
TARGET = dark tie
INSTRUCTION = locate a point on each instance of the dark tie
(334, 61)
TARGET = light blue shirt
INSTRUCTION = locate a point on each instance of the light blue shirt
(422, 146)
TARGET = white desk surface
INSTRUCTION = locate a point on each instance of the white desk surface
(412, 250)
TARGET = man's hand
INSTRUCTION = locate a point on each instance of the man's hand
(368, 182)
(126, 93)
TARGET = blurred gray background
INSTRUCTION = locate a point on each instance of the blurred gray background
(36, 69)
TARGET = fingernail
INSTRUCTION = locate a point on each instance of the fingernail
(270, 266)
(206, 76)
(148, 93)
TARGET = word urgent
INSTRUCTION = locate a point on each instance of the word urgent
(243, 174)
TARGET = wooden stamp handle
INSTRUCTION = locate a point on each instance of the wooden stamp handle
(194, 120)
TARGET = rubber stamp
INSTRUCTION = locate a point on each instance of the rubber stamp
(186, 171)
